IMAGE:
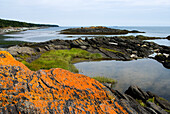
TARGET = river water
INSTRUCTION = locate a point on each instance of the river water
(148, 74)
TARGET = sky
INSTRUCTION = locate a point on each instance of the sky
(88, 12)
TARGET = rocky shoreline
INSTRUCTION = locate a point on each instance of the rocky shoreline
(115, 48)
(60, 91)
(17, 29)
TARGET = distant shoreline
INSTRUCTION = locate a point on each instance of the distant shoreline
(17, 29)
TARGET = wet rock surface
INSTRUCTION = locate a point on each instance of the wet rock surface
(60, 91)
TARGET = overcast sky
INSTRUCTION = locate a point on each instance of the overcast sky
(88, 12)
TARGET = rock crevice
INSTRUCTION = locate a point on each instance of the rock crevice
(60, 91)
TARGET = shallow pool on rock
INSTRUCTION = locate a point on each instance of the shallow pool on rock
(148, 74)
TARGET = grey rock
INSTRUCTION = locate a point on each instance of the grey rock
(38, 49)
(134, 52)
(160, 57)
(157, 108)
(163, 103)
(133, 56)
(129, 50)
(137, 93)
(15, 50)
(83, 47)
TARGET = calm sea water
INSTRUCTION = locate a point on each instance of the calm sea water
(42, 35)
(148, 74)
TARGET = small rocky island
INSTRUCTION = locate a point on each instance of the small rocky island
(99, 30)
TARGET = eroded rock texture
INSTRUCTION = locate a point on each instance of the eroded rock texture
(58, 91)
(51, 91)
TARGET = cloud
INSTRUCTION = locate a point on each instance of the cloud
(87, 11)
(86, 4)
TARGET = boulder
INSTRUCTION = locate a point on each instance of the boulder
(162, 103)
(38, 49)
(160, 57)
(166, 64)
(156, 108)
(137, 93)
(15, 50)
(133, 56)
(134, 52)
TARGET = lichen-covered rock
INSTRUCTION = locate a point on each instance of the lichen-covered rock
(51, 91)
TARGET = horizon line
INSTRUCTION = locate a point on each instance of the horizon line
(85, 25)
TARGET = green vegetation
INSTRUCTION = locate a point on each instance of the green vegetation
(167, 111)
(10, 23)
(9, 43)
(103, 79)
(60, 59)
(151, 100)
(141, 102)
(162, 99)
(23, 57)
(111, 50)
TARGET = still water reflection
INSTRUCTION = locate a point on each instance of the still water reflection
(146, 73)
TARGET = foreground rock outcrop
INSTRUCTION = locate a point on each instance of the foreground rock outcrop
(50, 91)
(60, 91)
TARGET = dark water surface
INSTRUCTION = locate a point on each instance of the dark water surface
(148, 74)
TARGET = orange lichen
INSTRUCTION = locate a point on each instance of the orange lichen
(51, 91)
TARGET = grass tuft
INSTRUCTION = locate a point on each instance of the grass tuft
(111, 50)
(103, 79)
(141, 103)
(167, 111)
(151, 100)
(61, 59)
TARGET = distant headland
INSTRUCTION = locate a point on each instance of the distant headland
(11, 23)
(7, 26)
